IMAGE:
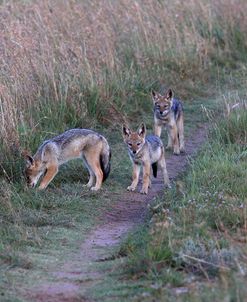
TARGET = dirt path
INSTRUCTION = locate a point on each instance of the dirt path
(77, 275)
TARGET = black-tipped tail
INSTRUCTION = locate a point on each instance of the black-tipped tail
(155, 169)
(105, 164)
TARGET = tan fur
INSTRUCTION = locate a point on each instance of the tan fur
(173, 122)
(75, 143)
(144, 151)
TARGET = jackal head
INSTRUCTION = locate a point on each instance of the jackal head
(33, 170)
(134, 140)
(162, 103)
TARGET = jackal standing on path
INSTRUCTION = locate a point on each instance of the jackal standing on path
(86, 144)
(168, 111)
(145, 151)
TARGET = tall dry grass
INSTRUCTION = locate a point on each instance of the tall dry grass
(64, 61)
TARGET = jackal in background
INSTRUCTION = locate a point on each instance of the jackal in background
(86, 144)
(144, 151)
(168, 111)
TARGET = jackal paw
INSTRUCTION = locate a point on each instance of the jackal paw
(42, 187)
(168, 185)
(94, 188)
(131, 188)
(88, 185)
(144, 191)
(182, 150)
(176, 152)
(168, 147)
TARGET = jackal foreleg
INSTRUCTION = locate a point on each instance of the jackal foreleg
(146, 177)
(157, 129)
(48, 177)
(135, 177)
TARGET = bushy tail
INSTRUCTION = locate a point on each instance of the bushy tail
(155, 169)
(105, 158)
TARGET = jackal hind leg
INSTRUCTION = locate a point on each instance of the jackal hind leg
(169, 144)
(146, 178)
(135, 177)
(91, 179)
(48, 177)
(92, 159)
(180, 126)
(174, 136)
(91, 174)
(162, 164)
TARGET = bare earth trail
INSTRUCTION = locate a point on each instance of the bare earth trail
(72, 280)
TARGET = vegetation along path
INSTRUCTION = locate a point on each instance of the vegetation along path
(73, 279)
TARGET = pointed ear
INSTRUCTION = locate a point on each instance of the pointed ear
(153, 93)
(29, 160)
(155, 96)
(126, 131)
(142, 130)
(169, 94)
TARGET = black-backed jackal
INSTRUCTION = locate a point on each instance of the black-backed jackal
(144, 151)
(168, 112)
(86, 144)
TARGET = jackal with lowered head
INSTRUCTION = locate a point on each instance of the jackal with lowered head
(86, 144)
